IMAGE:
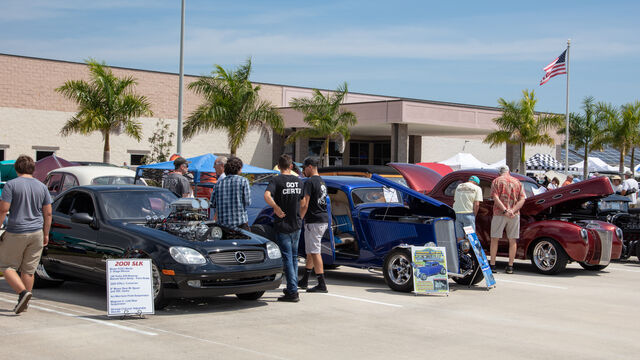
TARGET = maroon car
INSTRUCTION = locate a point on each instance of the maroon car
(548, 236)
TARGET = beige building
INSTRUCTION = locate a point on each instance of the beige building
(388, 129)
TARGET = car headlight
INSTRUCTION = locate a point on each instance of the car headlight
(465, 246)
(619, 233)
(187, 256)
(273, 251)
(584, 234)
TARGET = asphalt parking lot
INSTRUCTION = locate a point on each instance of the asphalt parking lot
(576, 315)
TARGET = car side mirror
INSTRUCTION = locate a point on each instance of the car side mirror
(82, 218)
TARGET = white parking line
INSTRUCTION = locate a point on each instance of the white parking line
(364, 300)
(532, 284)
(96, 321)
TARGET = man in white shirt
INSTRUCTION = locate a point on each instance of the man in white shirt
(466, 203)
(630, 188)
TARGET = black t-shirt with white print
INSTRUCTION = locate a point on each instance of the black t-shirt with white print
(286, 191)
(317, 191)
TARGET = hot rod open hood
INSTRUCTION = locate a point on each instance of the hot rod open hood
(418, 177)
(419, 203)
(584, 190)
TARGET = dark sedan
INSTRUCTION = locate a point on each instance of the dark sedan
(192, 257)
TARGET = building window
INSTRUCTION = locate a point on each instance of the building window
(136, 159)
(1, 154)
(41, 154)
(358, 153)
(316, 149)
(381, 153)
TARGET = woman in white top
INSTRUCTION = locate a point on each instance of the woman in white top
(554, 184)
(616, 183)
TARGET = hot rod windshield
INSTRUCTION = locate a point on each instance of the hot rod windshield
(375, 195)
(136, 205)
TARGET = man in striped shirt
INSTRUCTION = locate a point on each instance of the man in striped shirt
(232, 196)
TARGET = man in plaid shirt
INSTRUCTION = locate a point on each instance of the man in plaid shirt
(231, 196)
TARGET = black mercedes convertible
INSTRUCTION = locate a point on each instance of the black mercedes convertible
(191, 256)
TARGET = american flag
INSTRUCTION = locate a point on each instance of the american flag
(556, 67)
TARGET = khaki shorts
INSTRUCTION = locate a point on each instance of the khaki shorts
(313, 237)
(21, 252)
(500, 223)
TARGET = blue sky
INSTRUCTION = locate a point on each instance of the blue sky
(458, 51)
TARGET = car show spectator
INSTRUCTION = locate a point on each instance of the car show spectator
(467, 199)
(616, 183)
(630, 189)
(316, 222)
(28, 202)
(231, 196)
(176, 181)
(554, 184)
(219, 166)
(508, 196)
(568, 181)
(284, 195)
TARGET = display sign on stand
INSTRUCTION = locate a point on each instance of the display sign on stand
(429, 266)
(129, 287)
(482, 258)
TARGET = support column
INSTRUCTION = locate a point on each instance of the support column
(415, 149)
(403, 143)
(394, 142)
(346, 153)
(302, 149)
(371, 152)
(277, 147)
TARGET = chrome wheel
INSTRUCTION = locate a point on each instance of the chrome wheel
(399, 270)
(157, 281)
(545, 255)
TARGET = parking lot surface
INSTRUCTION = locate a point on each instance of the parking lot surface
(577, 315)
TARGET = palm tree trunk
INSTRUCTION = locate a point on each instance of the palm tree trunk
(106, 155)
(585, 171)
(233, 151)
(326, 151)
(523, 160)
(621, 168)
(633, 154)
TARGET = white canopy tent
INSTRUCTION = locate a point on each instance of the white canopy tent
(596, 164)
(464, 161)
(496, 165)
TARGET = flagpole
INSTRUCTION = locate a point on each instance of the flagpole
(566, 159)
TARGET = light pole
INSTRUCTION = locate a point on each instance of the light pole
(179, 140)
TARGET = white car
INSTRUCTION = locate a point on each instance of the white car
(61, 179)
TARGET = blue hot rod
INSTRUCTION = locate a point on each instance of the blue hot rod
(373, 222)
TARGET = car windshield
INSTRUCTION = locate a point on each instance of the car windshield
(532, 189)
(613, 206)
(375, 195)
(113, 180)
(136, 205)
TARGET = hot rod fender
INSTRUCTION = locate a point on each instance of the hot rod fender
(564, 233)
(616, 244)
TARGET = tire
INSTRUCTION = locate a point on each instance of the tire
(40, 283)
(443, 271)
(330, 267)
(397, 270)
(159, 300)
(592, 267)
(264, 230)
(250, 296)
(548, 257)
(637, 250)
(469, 279)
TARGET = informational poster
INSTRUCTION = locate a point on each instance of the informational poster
(480, 255)
(429, 270)
(129, 287)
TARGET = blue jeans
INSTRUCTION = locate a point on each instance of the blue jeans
(463, 220)
(288, 244)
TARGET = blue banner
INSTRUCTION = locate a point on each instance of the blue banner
(480, 256)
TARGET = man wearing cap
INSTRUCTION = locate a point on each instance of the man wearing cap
(630, 189)
(616, 183)
(466, 203)
(508, 197)
(176, 181)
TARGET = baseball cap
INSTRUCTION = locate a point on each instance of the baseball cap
(475, 179)
(179, 161)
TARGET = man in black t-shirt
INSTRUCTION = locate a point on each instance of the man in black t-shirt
(316, 221)
(284, 195)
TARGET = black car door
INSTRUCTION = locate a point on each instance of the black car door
(72, 246)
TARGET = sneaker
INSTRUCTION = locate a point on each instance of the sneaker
(289, 297)
(509, 269)
(318, 288)
(493, 269)
(23, 301)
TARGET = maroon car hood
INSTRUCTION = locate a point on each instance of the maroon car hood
(418, 177)
(588, 189)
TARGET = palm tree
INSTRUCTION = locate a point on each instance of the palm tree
(586, 131)
(106, 104)
(232, 103)
(325, 117)
(622, 127)
(519, 124)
